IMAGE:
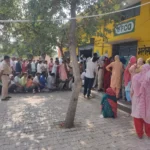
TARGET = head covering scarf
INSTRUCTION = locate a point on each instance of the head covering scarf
(117, 58)
(139, 78)
(127, 75)
(140, 62)
(123, 60)
(144, 95)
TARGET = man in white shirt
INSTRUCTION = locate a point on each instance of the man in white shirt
(33, 68)
(91, 67)
(54, 69)
(36, 81)
(39, 67)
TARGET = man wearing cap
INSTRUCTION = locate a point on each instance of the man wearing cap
(4, 75)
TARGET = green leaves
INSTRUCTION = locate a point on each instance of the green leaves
(37, 37)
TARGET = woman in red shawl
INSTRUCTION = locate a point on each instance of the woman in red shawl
(109, 104)
(107, 74)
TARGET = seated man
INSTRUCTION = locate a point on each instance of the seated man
(43, 82)
(36, 81)
(12, 88)
(51, 81)
(17, 81)
(23, 80)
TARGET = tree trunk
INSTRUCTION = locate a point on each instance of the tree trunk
(69, 121)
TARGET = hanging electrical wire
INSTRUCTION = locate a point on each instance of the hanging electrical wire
(79, 17)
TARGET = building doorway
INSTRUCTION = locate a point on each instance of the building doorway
(86, 51)
(125, 49)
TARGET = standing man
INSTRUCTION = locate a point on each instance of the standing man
(29, 67)
(18, 66)
(39, 67)
(13, 64)
(51, 63)
(90, 75)
(33, 68)
(4, 75)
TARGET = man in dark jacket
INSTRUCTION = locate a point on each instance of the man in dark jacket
(18, 66)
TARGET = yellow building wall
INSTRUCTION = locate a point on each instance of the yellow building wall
(141, 33)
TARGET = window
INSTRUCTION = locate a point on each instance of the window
(131, 13)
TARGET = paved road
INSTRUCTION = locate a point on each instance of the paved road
(29, 122)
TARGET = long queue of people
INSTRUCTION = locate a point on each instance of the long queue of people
(108, 75)
(33, 76)
(112, 76)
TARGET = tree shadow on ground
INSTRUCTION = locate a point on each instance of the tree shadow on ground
(29, 123)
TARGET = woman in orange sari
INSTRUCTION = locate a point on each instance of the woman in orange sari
(117, 69)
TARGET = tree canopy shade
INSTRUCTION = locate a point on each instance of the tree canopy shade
(72, 36)
(40, 38)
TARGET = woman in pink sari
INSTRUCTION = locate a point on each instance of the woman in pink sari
(62, 72)
(140, 101)
(127, 78)
(136, 67)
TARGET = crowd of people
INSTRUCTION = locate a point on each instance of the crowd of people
(120, 77)
(116, 77)
(33, 76)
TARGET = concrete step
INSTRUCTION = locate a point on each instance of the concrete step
(124, 106)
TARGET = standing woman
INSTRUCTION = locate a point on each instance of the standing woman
(107, 74)
(117, 69)
(136, 67)
(62, 72)
(127, 78)
(89, 75)
(140, 101)
(100, 73)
